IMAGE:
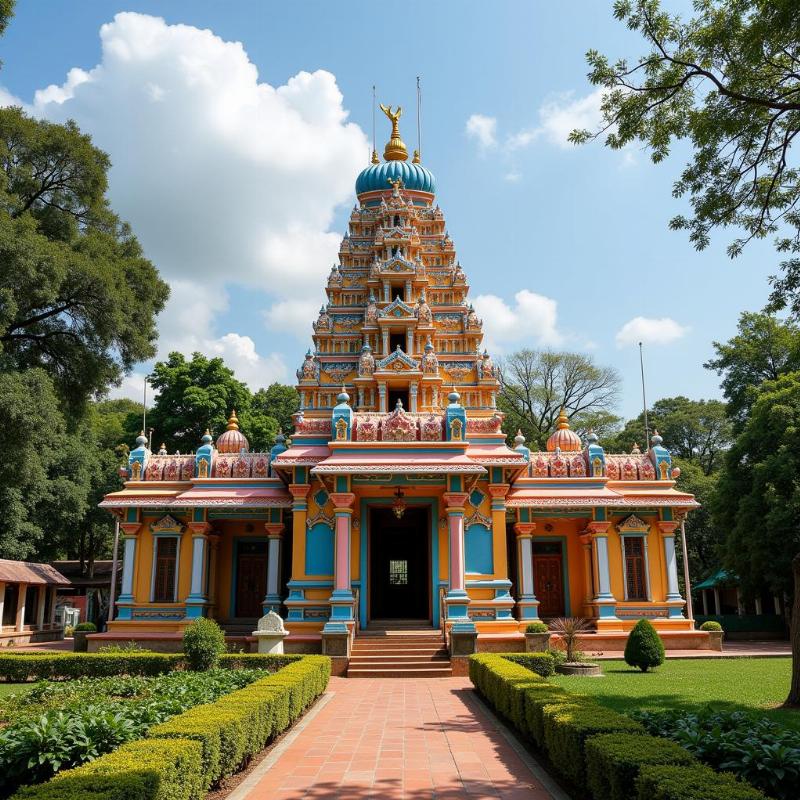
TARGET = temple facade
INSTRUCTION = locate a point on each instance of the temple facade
(398, 497)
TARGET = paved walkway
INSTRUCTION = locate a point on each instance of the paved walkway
(393, 738)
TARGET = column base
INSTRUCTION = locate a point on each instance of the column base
(456, 603)
(123, 607)
(528, 608)
(272, 602)
(336, 639)
(196, 607)
(342, 603)
(675, 606)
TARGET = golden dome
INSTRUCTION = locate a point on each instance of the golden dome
(395, 149)
(563, 438)
(233, 440)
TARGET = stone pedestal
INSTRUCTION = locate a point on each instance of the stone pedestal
(336, 640)
(537, 642)
(463, 639)
(270, 634)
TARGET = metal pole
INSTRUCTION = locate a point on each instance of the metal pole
(687, 582)
(644, 401)
(144, 406)
(114, 561)
(374, 140)
(419, 119)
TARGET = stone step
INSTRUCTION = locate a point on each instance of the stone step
(417, 647)
(401, 671)
(398, 659)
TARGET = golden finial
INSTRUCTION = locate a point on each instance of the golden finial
(395, 149)
(233, 422)
(563, 420)
(416, 159)
(375, 159)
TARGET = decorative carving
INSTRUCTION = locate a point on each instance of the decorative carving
(154, 468)
(577, 467)
(399, 426)
(271, 623)
(241, 468)
(371, 314)
(597, 467)
(633, 523)
(202, 468)
(456, 430)
(136, 471)
(166, 523)
(423, 311)
(261, 467)
(341, 429)
(366, 428)
(320, 516)
(366, 364)
(484, 424)
(430, 428)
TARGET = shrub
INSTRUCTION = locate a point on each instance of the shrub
(568, 725)
(22, 667)
(711, 625)
(85, 627)
(535, 699)
(569, 629)
(691, 783)
(543, 664)
(536, 627)
(150, 769)
(644, 648)
(123, 647)
(613, 761)
(203, 643)
(266, 661)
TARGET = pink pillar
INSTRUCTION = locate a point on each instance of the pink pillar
(456, 521)
(342, 577)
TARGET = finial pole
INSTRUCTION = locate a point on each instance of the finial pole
(644, 400)
(419, 118)
(144, 404)
(374, 140)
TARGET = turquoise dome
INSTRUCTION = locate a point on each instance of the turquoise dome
(376, 178)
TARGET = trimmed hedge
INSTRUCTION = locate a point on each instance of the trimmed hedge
(148, 769)
(692, 782)
(22, 667)
(181, 758)
(595, 748)
(613, 761)
(543, 664)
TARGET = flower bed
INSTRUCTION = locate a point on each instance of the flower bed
(604, 754)
(190, 752)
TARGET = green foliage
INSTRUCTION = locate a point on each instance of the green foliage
(278, 402)
(6, 13)
(535, 385)
(543, 664)
(21, 667)
(690, 783)
(87, 627)
(148, 769)
(613, 761)
(644, 648)
(753, 748)
(203, 642)
(569, 630)
(727, 81)
(536, 627)
(710, 625)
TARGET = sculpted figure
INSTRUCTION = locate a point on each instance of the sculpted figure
(423, 310)
(366, 364)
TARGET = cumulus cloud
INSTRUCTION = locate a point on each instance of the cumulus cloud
(650, 331)
(558, 117)
(483, 130)
(225, 178)
(531, 320)
(292, 316)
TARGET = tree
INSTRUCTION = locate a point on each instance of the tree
(77, 296)
(763, 349)
(758, 499)
(535, 385)
(6, 13)
(279, 402)
(727, 80)
(644, 648)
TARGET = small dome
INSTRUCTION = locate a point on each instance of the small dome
(563, 438)
(376, 177)
(233, 440)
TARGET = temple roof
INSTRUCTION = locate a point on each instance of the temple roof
(376, 177)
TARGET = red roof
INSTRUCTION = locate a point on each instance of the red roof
(28, 572)
(398, 461)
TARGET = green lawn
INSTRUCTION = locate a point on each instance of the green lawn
(744, 684)
(13, 688)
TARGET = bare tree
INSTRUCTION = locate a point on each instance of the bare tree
(536, 384)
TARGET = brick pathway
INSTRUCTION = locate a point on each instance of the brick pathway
(393, 738)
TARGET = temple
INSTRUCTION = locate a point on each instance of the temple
(398, 496)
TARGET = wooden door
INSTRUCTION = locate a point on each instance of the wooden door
(251, 579)
(548, 585)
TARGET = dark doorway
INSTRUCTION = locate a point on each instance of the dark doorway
(397, 340)
(399, 564)
(251, 578)
(548, 578)
(395, 395)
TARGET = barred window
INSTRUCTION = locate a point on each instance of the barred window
(165, 570)
(635, 577)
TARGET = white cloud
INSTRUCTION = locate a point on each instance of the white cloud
(513, 176)
(292, 316)
(8, 99)
(650, 331)
(239, 353)
(531, 321)
(483, 129)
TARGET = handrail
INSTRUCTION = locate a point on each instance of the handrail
(443, 613)
(356, 611)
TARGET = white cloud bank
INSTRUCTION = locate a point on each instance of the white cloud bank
(530, 321)
(483, 130)
(650, 331)
(225, 178)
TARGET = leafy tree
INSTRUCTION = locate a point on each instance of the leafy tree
(758, 500)
(763, 349)
(77, 297)
(727, 80)
(6, 13)
(535, 385)
(279, 402)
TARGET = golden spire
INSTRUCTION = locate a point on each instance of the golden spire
(233, 422)
(375, 159)
(416, 159)
(395, 148)
(563, 420)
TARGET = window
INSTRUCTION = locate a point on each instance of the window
(165, 569)
(10, 604)
(635, 577)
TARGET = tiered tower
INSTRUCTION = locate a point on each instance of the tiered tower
(397, 327)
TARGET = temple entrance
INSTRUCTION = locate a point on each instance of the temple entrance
(251, 578)
(399, 565)
(548, 578)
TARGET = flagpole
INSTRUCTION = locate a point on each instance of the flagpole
(419, 119)
(644, 401)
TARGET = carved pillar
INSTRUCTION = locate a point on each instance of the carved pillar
(125, 600)
(361, 397)
(588, 570)
(413, 389)
(409, 341)
(674, 599)
(299, 493)
(382, 396)
(197, 601)
(272, 600)
(2, 601)
(385, 342)
(41, 600)
(22, 596)
(387, 297)
(527, 602)
(604, 600)
(457, 600)
(342, 599)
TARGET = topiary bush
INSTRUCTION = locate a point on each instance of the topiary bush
(691, 783)
(644, 648)
(543, 664)
(711, 625)
(203, 643)
(536, 627)
(85, 627)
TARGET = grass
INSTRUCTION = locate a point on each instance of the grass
(735, 684)
(14, 688)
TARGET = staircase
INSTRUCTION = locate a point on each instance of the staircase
(399, 650)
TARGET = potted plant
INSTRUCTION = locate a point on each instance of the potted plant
(715, 634)
(568, 630)
(79, 634)
(537, 637)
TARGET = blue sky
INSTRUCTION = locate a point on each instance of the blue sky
(237, 190)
